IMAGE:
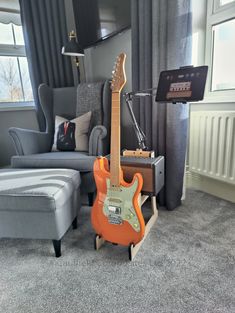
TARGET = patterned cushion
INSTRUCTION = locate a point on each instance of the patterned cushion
(89, 98)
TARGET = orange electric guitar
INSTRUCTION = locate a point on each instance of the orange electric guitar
(116, 215)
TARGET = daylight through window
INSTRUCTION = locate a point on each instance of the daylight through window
(220, 49)
(15, 85)
(223, 2)
(223, 77)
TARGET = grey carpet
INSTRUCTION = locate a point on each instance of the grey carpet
(186, 265)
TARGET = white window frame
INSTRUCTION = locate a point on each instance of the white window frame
(216, 14)
(14, 51)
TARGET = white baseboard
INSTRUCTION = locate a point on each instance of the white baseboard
(214, 187)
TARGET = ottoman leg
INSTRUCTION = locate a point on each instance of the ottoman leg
(57, 247)
(75, 223)
(90, 198)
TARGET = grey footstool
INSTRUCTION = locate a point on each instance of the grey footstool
(39, 203)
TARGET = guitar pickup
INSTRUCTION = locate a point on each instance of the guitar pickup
(114, 209)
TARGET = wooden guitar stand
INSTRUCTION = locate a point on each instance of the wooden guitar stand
(133, 249)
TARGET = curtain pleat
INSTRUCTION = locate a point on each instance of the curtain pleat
(45, 32)
(161, 40)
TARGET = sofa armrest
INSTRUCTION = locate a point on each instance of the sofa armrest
(29, 141)
(96, 140)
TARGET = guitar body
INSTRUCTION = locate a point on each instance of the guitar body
(116, 215)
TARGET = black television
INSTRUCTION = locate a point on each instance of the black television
(97, 20)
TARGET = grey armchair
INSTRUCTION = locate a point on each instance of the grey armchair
(33, 148)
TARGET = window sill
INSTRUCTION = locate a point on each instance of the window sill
(218, 97)
(17, 106)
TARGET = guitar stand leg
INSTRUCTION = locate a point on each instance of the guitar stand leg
(133, 249)
(98, 242)
(130, 251)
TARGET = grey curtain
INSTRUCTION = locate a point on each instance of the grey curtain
(45, 32)
(161, 39)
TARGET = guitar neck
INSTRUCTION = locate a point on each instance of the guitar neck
(115, 166)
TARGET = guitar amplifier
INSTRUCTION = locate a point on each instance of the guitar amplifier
(152, 170)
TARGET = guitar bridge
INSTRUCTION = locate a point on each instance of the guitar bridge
(116, 220)
(114, 215)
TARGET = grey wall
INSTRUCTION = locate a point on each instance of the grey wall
(17, 118)
(99, 61)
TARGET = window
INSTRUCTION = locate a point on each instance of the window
(15, 85)
(223, 70)
(223, 2)
(220, 49)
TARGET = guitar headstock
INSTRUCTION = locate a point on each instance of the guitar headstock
(119, 75)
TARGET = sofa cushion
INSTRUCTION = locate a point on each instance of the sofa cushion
(79, 161)
(39, 190)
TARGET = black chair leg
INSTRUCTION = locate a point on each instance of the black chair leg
(57, 247)
(75, 223)
(90, 198)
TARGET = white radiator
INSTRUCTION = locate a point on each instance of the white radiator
(212, 144)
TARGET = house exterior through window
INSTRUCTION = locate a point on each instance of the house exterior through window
(15, 85)
(220, 49)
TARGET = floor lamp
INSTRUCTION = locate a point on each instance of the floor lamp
(73, 49)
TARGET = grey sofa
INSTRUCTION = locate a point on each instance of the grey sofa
(33, 148)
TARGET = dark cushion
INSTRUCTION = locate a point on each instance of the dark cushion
(79, 161)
